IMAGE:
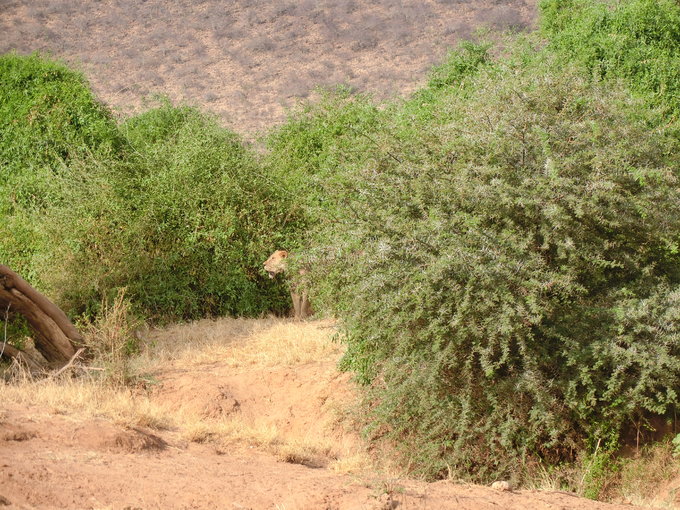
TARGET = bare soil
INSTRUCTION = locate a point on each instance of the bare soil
(54, 456)
(249, 60)
(53, 461)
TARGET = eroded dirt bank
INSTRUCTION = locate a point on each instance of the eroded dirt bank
(233, 414)
(57, 461)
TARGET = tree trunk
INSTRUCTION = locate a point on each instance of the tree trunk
(12, 352)
(55, 334)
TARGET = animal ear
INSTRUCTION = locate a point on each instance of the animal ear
(284, 253)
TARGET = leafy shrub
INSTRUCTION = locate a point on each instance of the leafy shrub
(637, 40)
(322, 141)
(184, 222)
(48, 117)
(314, 146)
(510, 283)
(168, 204)
(459, 64)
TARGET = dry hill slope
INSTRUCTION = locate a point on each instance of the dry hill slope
(246, 60)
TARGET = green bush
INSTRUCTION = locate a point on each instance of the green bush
(312, 149)
(460, 64)
(324, 142)
(48, 117)
(636, 40)
(168, 204)
(510, 284)
(184, 223)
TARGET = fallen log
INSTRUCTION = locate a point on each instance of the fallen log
(19, 355)
(56, 337)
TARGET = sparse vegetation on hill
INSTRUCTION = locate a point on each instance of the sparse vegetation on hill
(249, 60)
(501, 247)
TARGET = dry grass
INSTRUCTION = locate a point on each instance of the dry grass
(240, 342)
(100, 390)
(248, 343)
(87, 398)
(253, 344)
(82, 399)
(109, 338)
(313, 451)
(310, 451)
(649, 479)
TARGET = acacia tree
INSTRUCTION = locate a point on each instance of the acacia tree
(55, 335)
(515, 292)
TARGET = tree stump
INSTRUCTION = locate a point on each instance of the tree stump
(56, 336)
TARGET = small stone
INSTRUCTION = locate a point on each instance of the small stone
(501, 485)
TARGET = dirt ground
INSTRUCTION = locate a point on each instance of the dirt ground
(58, 462)
(253, 420)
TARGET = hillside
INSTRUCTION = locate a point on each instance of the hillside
(248, 60)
